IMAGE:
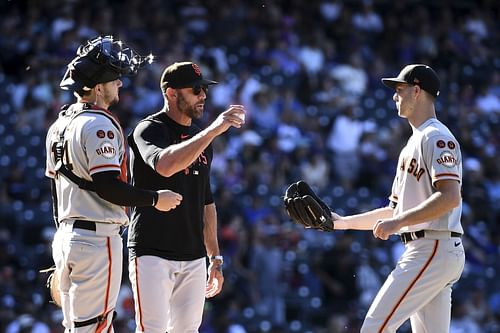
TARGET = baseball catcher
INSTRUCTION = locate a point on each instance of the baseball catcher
(86, 164)
(306, 208)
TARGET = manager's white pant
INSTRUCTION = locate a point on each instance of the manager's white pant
(169, 295)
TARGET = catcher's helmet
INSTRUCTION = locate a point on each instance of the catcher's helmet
(101, 60)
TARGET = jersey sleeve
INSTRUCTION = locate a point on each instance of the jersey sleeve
(150, 139)
(442, 156)
(104, 144)
(49, 162)
(394, 196)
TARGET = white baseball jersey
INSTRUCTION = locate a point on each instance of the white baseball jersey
(431, 154)
(92, 143)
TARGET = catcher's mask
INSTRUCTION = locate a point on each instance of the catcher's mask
(102, 59)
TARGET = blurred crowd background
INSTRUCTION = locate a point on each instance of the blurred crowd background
(309, 74)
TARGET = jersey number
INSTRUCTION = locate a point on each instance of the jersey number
(64, 155)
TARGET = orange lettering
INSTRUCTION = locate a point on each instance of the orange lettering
(415, 170)
(402, 166)
(202, 159)
(419, 174)
(413, 165)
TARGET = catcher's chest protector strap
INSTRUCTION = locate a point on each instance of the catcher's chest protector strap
(59, 149)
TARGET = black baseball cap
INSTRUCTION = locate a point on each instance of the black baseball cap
(416, 74)
(183, 75)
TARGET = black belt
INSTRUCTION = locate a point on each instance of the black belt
(409, 236)
(87, 225)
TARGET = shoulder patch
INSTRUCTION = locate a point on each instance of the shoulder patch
(100, 134)
(440, 144)
(106, 149)
(447, 159)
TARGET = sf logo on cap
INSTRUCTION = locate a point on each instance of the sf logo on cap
(197, 69)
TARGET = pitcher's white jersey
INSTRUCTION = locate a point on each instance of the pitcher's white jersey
(431, 154)
(92, 143)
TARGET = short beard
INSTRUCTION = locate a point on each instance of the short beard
(114, 101)
(188, 110)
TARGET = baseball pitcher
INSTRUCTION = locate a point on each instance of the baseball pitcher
(425, 209)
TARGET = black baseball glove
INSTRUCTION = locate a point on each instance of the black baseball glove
(306, 208)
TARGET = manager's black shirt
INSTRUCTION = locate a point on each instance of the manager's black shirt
(178, 233)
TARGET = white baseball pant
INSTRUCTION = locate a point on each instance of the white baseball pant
(419, 288)
(89, 264)
(169, 295)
